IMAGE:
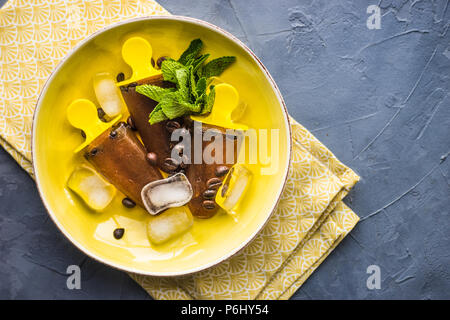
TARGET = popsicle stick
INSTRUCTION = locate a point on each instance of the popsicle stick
(82, 114)
(137, 53)
(226, 101)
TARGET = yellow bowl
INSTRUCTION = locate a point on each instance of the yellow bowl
(210, 241)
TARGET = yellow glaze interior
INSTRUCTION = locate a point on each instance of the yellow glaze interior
(208, 241)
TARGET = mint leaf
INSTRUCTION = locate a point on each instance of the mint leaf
(153, 92)
(201, 86)
(169, 68)
(199, 61)
(209, 101)
(182, 76)
(215, 67)
(157, 115)
(191, 52)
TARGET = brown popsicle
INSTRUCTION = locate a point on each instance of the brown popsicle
(120, 157)
(207, 178)
(156, 137)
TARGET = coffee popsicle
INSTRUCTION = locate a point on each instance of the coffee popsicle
(120, 157)
(156, 137)
(206, 178)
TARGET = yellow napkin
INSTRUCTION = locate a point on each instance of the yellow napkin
(309, 222)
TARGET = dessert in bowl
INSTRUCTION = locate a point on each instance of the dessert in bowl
(114, 184)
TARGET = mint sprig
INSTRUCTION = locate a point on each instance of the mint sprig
(190, 74)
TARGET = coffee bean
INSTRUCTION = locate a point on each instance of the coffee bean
(209, 205)
(113, 134)
(120, 77)
(152, 158)
(184, 161)
(131, 123)
(128, 203)
(169, 165)
(221, 171)
(101, 115)
(171, 125)
(118, 233)
(209, 194)
(93, 152)
(160, 61)
(213, 183)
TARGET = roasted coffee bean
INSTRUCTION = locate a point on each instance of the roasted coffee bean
(184, 161)
(101, 114)
(118, 233)
(93, 152)
(169, 165)
(131, 123)
(83, 134)
(221, 171)
(213, 183)
(209, 205)
(209, 194)
(120, 77)
(152, 158)
(160, 61)
(128, 203)
(171, 125)
(113, 134)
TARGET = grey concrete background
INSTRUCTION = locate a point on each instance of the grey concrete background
(379, 99)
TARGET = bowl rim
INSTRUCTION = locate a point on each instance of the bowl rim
(44, 90)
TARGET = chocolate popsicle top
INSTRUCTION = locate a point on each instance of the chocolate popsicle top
(207, 178)
(156, 137)
(120, 157)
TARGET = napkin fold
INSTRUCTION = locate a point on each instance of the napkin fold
(310, 219)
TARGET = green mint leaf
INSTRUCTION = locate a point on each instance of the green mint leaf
(209, 101)
(199, 62)
(174, 105)
(157, 115)
(153, 92)
(169, 68)
(191, 52)
(201, 86)
(215, 67)
(183, 76)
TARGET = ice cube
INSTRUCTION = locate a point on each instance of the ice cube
(93, 189)
(166, 193)
(169, 224)
(108, 94)
(235, 185)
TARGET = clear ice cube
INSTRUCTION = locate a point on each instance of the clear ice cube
(108, 94)
(169, 224)
(166, 193)
(232, 191)
(93, 189)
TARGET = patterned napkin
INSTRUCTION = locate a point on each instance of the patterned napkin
(309, 221)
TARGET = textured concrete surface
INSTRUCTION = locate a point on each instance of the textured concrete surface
(379, 99)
